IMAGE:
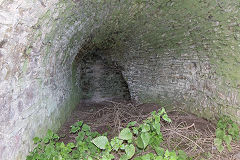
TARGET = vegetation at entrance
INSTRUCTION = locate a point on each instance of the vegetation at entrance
(226, 132)
(122, 131)
(136, 141)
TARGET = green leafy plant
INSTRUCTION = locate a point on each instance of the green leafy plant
(226, 132)
(131, 141)
(141, 137)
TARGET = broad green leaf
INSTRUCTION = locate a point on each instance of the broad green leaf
(135, 130)
(227, 139)
(218, 141)
(49, 134)
(220, 148)
(75, 154)
(146, 157)
(79, 123)
(122, 147)
(229, 147)
(80, 136)
(145, 128)
(160, 151)
(125, 134)
(131, 124)
(173, 155)
(139, 142)
(145, 139)
(156, 140)
(166, 118)
(159, 158)
(46, 140)
(220, 133)
(218, 144)
(74, 129)
(130, 151)
(62, 145)
(124, 157)
(90, 158)
(157, 119)
(85, 127)
(157, 127)
(55, 136)
(36, 140)
(70, 145)
(153, 113)
(167, 153)
(100, 142)
(162, 112)
(116, 143)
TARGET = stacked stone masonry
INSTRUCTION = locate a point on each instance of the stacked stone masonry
(175, 53)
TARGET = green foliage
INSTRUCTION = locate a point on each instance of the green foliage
(100, 142)
(226, 131)
(166, 155)
(125, 134)
(131, 141)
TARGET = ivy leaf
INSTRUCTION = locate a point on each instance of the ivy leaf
(157, 127)
(81, 136)
(85, 127)
(166, 118)
(160, 151)
(157, 118)
(167, 153)
(49, 134)
(79, 123)
(100, 142)
(123, 157)
(125, 134)
(74, 129)
(130, 151)
(116, 143)
(131, 124)
(143, 140)
(218, 144)
(173, 155)
(220, 133)
(227, 139)
(135, 130)
(90, 158)
(145, 128)
(46, 140)
(70, 145)
(156, 140)
(162, 112)
(234, 131)
(55, 136)
(139, 142)
(36, 140)
(146, 157)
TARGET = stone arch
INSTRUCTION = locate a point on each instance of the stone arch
(176, 53)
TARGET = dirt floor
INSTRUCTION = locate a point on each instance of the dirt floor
(187, 132)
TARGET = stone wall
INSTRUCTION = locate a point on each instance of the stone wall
(101, 80)
(39, 40)
(177, 53)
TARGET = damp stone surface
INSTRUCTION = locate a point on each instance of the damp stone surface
(174, 53)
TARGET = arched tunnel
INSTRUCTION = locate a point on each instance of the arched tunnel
(56, 53)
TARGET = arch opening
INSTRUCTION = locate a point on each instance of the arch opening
(101, 80)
